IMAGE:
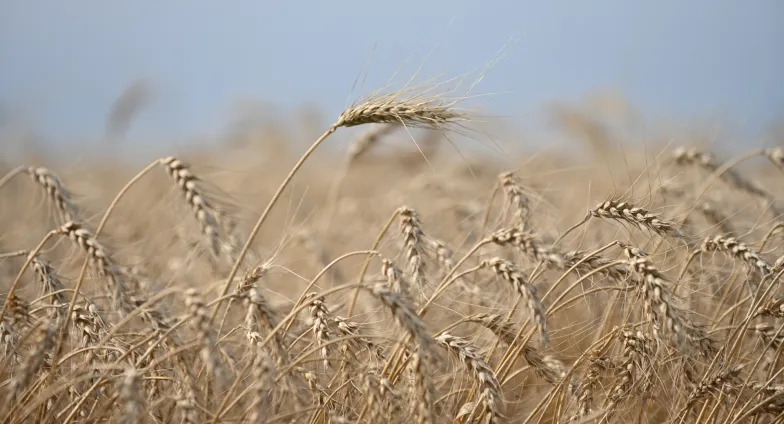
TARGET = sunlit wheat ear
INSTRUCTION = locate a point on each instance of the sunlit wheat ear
(536, 309)
(262, 387)
(260, 317)
(102, 262)
(404, 107)
(412, 323)
(774, 307)
(443, 256)
(776, 155)
(491, 395)
(719, 381)
(89, 322)
(403, 312)
(588, 385)
(617, 273)
(496, 323)
(737, 250)
(35, 359)
(769, 334)
(692, 156)
(189, 185)
(547, 367)
(382, 402)
(660, 306)
(57, 192)
(51, 285)
(394, 277)
(187, 401)
(205, 332)
(529, 244)
(516, 198)
(412, 244)
(634, 373)
(319, 314)
(623, 211)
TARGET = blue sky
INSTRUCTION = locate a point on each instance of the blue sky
(65, 62)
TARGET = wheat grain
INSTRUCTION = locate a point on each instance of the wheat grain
(509, 272)
(491, 395)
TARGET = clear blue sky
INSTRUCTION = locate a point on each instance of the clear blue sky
(63, 63)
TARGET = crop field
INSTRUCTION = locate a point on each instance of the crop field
(394, 281)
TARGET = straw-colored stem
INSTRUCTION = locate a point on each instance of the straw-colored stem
(366, 264)
(26, 265)
(255, 231)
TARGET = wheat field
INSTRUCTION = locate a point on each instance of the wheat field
(603, 285)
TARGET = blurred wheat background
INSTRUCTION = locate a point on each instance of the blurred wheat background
(574, 216)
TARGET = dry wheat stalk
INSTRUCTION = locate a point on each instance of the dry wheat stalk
(18, 322)
(774, 307)
(394, 277)
(102, 262)
(719, 381)
(623, 211)
(770, 335)
(496, 323)
(263, 384)
(50, 285)
(208, 352)
(319, 313)
(186, 395)
(691, 156)
(659, 306)
(415, 110)
(379, 401)
(547, 367)
(59, 195)
(516, 198)
(491, 394)
(89, 322)
(412, 323)
(587, 386)
(773, 396)
(422, 387)
(260, 317)
(204, 211)
(617, 273)
(347, 328)
(634, 372)
(412, 242)
(34, 361)
(529, 244)
(536, 309)
(738, 250)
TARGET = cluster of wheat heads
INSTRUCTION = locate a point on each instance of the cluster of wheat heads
(461, 305)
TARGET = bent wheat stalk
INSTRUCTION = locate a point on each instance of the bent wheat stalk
(412, 111)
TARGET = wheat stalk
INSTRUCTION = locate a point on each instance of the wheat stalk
(623, 211)
(491, 394)
(536, 309)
